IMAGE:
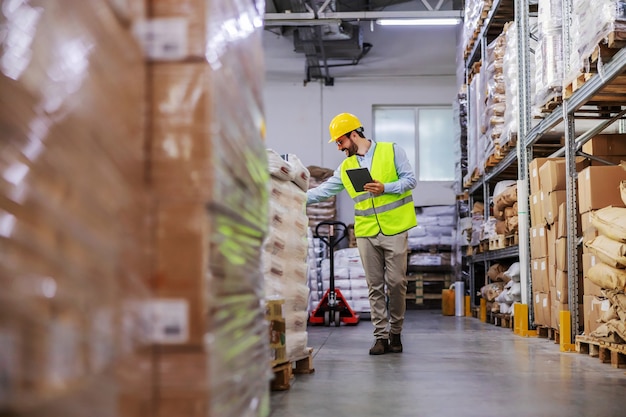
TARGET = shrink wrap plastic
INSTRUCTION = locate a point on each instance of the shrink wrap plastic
(114, 231)
(73, 211)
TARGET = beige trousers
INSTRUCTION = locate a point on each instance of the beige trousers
(385, 260)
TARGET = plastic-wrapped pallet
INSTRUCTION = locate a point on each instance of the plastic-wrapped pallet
(548, 63)
(593, 21)
(286, 248)
(73, 212)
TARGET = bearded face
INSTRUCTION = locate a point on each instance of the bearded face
(347, 146)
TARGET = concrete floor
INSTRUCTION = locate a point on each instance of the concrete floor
(451, 367)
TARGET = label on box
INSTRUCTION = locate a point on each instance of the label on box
(605, 305)
(169, 319)
(163, 38)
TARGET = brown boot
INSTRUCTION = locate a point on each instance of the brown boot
(395, 343)
(380, 347)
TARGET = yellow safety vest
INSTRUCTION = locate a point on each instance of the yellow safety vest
(388, 214)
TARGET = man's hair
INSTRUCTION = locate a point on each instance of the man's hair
(358, 131)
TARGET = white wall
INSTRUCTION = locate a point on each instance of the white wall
(297, 118)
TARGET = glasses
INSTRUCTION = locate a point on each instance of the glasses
(339, 142)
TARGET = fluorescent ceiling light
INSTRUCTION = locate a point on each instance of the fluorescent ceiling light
(419, 22)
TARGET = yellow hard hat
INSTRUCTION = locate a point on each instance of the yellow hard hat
(342, 124)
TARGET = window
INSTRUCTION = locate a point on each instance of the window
(425, 133)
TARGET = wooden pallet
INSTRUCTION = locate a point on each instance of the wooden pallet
(551, 104)
(284, 372)
(501, 320)
(511, 240)
(549, 333)
(572, 87)
(612, 353)
(282, 377)
(304, 364)
(497, 242)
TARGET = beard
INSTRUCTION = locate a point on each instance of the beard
(351, 149)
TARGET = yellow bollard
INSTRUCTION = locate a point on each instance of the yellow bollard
(516, 318)
(565, 325)
(468, 307)
(483, 310)
(521, 320)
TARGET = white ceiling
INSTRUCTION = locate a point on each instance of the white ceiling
(396, 52)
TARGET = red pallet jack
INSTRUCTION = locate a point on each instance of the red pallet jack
(333, 307)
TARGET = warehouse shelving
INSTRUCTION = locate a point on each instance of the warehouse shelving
(500, 12)
(598, 90)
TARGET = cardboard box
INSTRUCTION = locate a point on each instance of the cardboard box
(541, 306)
(552, 174)
(533, 168)
(551, 245)
(551, 205)
(538, 242)
(593, 308)
(561, 254)
(585, 220)
(598, 187)
(181, 151)
(536, 209)
(539, 275)
(180, 271)
(551, 275)
(555, 314)
(614, 144)
(563, 225)
(183, 385)
(561, 288)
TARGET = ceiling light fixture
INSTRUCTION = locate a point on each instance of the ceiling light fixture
(419, 22)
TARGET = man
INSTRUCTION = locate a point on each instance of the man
(383, 214)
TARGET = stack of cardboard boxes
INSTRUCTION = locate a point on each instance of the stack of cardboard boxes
(133, 210)
(597, 187)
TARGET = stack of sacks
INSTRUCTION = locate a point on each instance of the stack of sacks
(512, 291)
(324, 210)
(436, 229)
(548, 63)
(492, 120)
(602, 211)
(605, 281)
(505, 207)
(349, 278)
(286, 247)
(208, 172)
(498, 279)
(73, 235)
(592, 23)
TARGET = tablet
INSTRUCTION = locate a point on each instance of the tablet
(359, 177)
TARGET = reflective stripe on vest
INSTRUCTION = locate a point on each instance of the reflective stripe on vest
(387, 213)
